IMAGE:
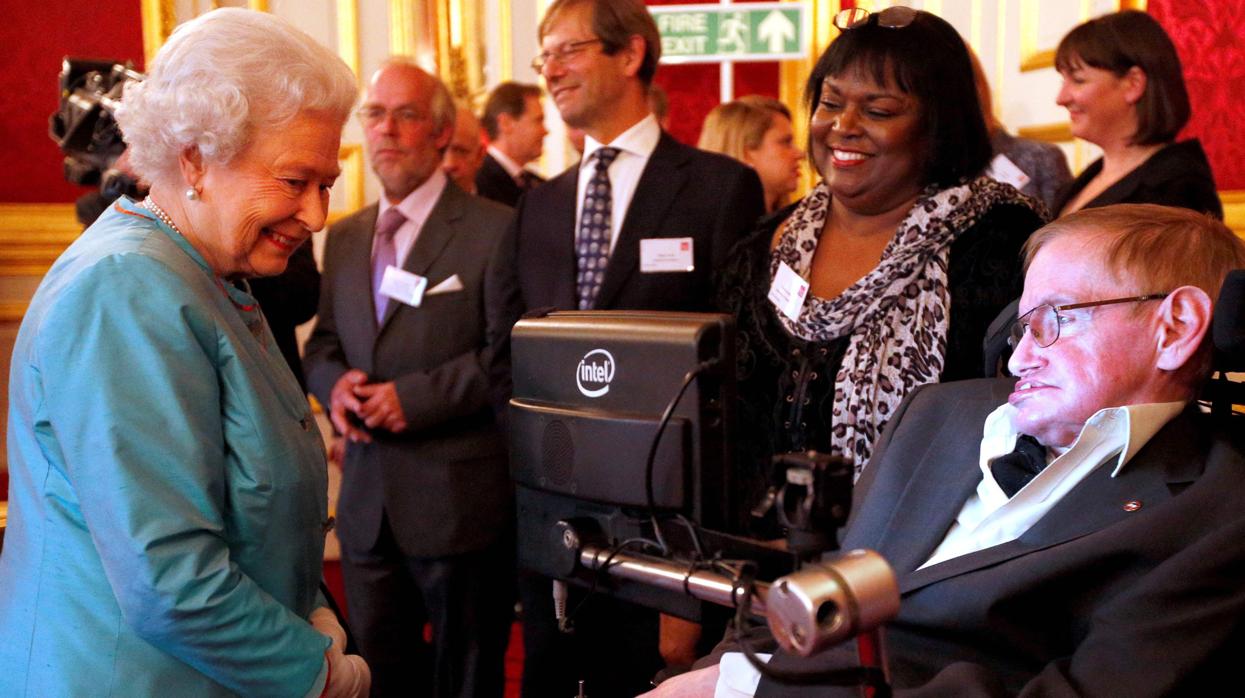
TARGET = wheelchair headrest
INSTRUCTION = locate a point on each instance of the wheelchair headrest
(1228, 324)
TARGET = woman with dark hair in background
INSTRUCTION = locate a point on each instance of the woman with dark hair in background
(1124, 92)
(1035, 168)
(889, 271)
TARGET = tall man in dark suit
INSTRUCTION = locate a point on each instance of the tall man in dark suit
(641, 222)
(1081, 529)
(398, 356)
(515, 123)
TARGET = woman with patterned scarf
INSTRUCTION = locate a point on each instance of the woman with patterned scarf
(887, 274)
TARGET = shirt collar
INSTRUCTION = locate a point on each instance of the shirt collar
(511, 167)
(1127, 428)
(418, 204)
(641, 139)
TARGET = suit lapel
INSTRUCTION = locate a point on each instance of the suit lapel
(432, 239)
(356, 273)
(1171, 458)
(920, 521)
(559, 199)
(659, 186)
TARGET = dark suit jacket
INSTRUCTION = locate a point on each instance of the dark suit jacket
(683, 192)
(494, 182)
(1178, 175)
(443, 483)
(1093, 600)
(288, 300)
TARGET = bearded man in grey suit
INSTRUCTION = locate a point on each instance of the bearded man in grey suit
(398, 356)
(1078, 530)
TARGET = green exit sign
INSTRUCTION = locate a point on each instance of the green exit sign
(754, 31)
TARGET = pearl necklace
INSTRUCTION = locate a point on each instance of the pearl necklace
(256, 328)
(164, 217)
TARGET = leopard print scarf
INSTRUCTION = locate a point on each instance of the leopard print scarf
(896, 316)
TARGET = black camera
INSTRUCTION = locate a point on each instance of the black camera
(84, 128)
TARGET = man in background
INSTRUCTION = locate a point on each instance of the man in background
(465, 154)
(515, 123)
(577, 244)
(398, 356)
(1076, 530)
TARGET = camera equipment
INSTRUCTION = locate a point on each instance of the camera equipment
(83, 125)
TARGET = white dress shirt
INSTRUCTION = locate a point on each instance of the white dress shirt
(636, 146)
(989, 517)
(417, 206)
(512, 168)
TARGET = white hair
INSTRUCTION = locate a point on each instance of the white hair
(219, 79)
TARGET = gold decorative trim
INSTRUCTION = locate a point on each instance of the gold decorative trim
(12, 312)
(348, 36)
(792, 76)
(258, 5)
(402, 28)
(351, 156)
(1234, 210)
(506, 50)
(1047, 133)
(159, 19)
(1031, 57)
(32, 236)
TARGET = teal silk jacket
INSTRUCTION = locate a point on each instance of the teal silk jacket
(168, 485)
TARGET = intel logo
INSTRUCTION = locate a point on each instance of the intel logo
(594, 373)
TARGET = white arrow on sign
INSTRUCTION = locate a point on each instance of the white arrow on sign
(777, 30)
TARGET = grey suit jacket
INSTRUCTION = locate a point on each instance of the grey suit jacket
(1129, 586)
(443, 483)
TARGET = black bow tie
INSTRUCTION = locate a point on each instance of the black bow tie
(1017, 468)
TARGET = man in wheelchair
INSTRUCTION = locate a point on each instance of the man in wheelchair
(1076, 530)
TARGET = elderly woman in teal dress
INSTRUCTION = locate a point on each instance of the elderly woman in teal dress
(168, 486)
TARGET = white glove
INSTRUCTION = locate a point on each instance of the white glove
(325, 622)
(349, 676)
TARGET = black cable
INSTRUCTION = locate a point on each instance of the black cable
(652, 451)
(603, 569)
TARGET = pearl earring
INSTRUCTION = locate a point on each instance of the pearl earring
(192, 194)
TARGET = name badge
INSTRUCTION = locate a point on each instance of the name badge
(403, 286)
(1002, 169)
(666, 254)
(788, 292)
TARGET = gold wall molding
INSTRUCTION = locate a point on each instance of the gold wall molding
(32, 236)
(793, 75)
(158, 22)
(506, 49)
(1047, 133)
(351, 157)
(1234, 210)
(12, 312)
(348, 36)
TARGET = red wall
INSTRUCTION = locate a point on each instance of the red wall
(1208, 36)
(34, 36)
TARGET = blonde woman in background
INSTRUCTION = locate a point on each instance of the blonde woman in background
(756, 131)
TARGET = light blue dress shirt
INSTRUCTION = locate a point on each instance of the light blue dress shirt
(168, 484)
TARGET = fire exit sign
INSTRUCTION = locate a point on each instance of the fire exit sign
(754, 31)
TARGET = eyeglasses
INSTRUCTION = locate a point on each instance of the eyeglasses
(562, 53)
(1044, 321)
(896, 17)
(403, 116)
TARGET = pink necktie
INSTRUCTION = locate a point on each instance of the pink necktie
(384, 255)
